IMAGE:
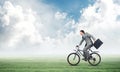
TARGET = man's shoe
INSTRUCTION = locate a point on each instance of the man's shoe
(90, 57)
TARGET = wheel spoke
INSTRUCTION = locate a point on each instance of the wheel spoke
(95, 60)
(73, 59)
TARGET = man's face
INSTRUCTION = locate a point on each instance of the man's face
(81, 33)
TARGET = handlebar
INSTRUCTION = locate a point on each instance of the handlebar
(77, 45)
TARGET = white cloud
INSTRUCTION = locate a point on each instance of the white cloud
(5, 20)
(59, 15)
(32, 30)
(38, 29)
(22, 22)
(100, 19)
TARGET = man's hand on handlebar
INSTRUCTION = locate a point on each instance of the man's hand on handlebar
(77, 45)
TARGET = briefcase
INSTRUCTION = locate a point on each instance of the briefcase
(97, 43)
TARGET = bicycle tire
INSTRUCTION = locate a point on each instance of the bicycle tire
(70, 62)
(91, 55)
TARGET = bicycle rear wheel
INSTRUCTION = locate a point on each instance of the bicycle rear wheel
(73, 59)
(94, 59)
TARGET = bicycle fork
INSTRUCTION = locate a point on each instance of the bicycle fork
(75, 55)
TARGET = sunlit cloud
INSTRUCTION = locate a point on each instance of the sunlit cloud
(36, 28)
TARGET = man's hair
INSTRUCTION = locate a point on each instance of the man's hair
(82, 31)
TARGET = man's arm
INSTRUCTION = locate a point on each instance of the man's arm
(81, 41)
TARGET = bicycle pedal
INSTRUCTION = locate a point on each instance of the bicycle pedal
(84, 59)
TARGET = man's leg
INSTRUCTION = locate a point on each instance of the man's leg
(86, 52)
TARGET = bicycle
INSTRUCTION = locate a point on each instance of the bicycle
(74, 58)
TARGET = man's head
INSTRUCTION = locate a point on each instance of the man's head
(82, 32)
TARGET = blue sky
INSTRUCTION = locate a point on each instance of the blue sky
(71, 7)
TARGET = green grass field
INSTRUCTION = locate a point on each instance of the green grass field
(61, 65)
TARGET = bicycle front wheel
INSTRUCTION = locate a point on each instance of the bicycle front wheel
(73, 59)
(94, 59)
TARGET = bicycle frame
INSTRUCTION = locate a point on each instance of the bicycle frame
(80, 52)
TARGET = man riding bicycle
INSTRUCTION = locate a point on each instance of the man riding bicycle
(87, 38)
